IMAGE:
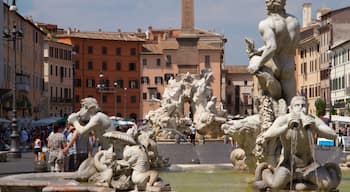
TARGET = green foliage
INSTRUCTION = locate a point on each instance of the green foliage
(320, 105)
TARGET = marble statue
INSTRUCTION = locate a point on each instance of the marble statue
(275, 60)
(238, 159)
(195, 90)
(296, 131)
(278, 141)
(89, 118)
(126, 160)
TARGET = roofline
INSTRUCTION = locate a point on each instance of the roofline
(68, 36)
(25, 19)
(334, 11)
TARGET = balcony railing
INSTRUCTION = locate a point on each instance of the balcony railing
(22, 82)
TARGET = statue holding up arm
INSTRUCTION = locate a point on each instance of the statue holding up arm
(296, 131)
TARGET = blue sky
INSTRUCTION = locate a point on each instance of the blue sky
(235, 19)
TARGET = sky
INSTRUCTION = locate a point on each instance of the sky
(235, 19)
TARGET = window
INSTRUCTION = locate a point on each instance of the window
(118, 51)
(144, 96)
(144, 62)
(77, 83)
(51, 52)
(90, 65)
(118, 66)
(77, 64)
(104, 50)
(56, 70)
(207, 61)
(51, 70)
(90, 50)
(133, 84)
(144, 80)
(120, 83)
(158, 96)
(132, 67)
(61, 53)
(158, 62)
(168, 76)
(168, 60)
(158, 80)
(90, 83)
(104, 66)
(118, 99)
(104, 98)
(133, 51)
(133, 99)
(77, 98)
(245, 82)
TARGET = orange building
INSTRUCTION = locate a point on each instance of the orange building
(107, 67)
(169, 52)
(239, 90)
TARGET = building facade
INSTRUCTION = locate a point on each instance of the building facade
(167, 53)
(333, 29)
(29, 71)
(58, 78)
(308, 66)
(340, 78)
(239, 90)
(107, 67)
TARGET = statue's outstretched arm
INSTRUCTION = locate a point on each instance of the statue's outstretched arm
(279, 126)
(323, 130)
(88, 127)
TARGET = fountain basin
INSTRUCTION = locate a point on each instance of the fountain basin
(35, 182)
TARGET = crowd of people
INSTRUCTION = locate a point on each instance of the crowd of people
(65, 150)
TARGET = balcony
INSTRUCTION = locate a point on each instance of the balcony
(22, 82)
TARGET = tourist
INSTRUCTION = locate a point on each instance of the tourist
(77, 148)
(193, 133)
(56, 144)
(70, 150)
(37, 148)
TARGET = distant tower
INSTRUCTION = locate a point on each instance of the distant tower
(187, 16)
(306, 14)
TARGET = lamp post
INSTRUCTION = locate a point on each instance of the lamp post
(116, 86)
(330, 55)
(125, 90)
(100, 86)
(13, 35)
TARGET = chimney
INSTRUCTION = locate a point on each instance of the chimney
(322, 11)
(187, 25)
(69, 31)
(306, 14)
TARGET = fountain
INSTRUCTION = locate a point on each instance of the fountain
(279, 141)
(127, 160)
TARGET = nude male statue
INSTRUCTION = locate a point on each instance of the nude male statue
(89, 118)
(296, 131)
(280, 33)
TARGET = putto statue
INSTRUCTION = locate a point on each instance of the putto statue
(126, 161)
(278, 141)
(195, 90)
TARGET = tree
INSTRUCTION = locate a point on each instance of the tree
(320, 107)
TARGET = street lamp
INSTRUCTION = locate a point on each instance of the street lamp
(330, 55)
(116, 86)
(125, 90)
(13, 35)
(100, 86)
